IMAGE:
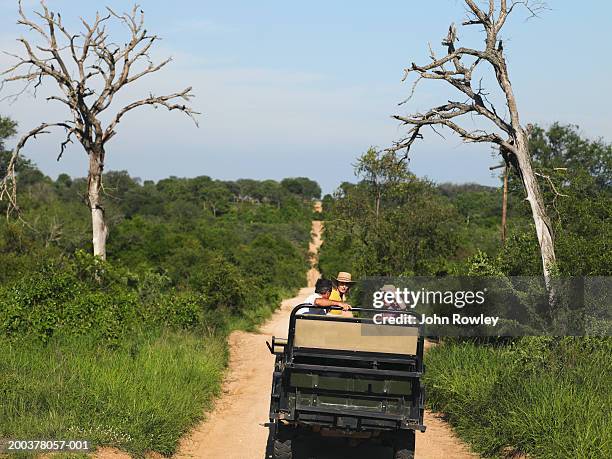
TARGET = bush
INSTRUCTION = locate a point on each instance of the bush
(36, 304)
(109, 318)
(187, 311)
(222, 286)
(92, 297)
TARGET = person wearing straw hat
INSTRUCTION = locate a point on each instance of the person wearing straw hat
(320, 299)
(342, 284)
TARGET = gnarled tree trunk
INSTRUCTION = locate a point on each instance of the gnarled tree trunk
(94, 185)
(538, 211)
(522, 163)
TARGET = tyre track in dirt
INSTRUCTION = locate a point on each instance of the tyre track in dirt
(235, 428)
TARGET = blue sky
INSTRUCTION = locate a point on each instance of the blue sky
(301, 89)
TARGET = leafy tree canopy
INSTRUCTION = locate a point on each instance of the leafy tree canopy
(302, 186)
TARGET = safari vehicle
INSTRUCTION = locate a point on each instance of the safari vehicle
(348, 378)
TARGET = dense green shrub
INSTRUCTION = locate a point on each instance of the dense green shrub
(90, 297)
(390, 223)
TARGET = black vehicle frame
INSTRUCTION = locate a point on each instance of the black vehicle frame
(359, 396)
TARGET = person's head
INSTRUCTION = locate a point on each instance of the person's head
(344, 281)
(323, 287)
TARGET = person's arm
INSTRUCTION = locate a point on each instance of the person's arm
(324, 302)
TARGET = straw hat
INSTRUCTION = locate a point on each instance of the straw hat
(345, 278)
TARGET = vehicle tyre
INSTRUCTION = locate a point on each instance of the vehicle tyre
(404, 445)
(282, 449)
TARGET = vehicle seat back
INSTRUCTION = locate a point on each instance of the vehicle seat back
(354, 336)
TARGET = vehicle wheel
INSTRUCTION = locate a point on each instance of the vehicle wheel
(404, 445)
(282, 449)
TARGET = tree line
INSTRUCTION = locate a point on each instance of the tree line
(393, 223)
(235, 247)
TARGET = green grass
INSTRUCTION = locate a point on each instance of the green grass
(140, 392)
(547, 398)
(141, 396)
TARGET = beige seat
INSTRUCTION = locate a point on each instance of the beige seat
(354, 336)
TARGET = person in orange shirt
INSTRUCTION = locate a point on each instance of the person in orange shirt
(342, 284)
(321, 298)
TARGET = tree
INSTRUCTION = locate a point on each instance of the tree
(7, 129)
(381, 171)
(302, 186)
(560, 150)
(89, 70)
(578, 197)
(388, 224)
(506, 133)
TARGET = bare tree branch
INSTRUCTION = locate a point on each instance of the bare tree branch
(8, 184)
(552, 185)
(164, 101)
(460, 77)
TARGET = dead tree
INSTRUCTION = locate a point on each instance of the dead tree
(457, 69)
(88, 70)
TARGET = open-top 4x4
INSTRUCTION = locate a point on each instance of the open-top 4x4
(346, 377)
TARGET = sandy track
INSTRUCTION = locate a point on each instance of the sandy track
(235, 429)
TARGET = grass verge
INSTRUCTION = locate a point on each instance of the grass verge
(142, 396)
(545, 397)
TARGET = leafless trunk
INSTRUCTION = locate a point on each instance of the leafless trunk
(514, 146)
(88, 69)
(538, 211)
(504, 205)
(94, 186)
(523, 165)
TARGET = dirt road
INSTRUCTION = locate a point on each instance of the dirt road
(235, 430)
